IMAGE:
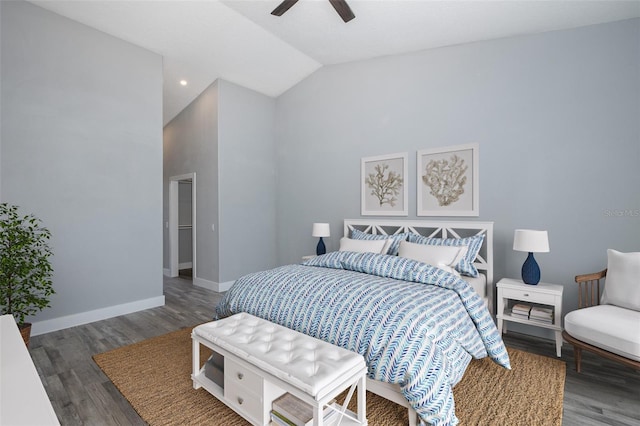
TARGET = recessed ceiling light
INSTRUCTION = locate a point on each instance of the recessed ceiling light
(183, 82)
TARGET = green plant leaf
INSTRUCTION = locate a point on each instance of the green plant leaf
(25, 270)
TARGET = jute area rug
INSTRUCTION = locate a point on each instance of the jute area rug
(154, 376)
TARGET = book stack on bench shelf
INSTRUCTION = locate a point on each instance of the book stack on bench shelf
(289, 410)
(541, 314)
(521, 310)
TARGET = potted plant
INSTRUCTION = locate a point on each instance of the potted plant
(25, 270)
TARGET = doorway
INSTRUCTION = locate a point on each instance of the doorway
(182, 225)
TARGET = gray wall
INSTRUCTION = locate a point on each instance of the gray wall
(226, 136)
(556, 116)
(81, 149)
(247, 167)
(191, 146)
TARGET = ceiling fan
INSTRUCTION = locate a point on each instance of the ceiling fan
(340, 6)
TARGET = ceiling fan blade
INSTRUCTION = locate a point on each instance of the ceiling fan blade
(283, 7)
(343, 9)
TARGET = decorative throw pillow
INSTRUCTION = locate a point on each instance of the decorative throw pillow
(330, 260)
(465, 265)
(380, 264)
(362, 246)
(443, 257)
(392, 245)
(622, 285)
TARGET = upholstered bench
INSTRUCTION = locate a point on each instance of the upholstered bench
(262, 361)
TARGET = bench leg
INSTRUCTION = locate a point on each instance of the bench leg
(361, 386)
(318, 419)
(413, 417)
(362, 400)
(196, 362)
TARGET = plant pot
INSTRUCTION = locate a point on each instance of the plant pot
(25, 331)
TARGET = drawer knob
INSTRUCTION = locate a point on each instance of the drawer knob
(526, 295)
(240, 377)
(240, 401)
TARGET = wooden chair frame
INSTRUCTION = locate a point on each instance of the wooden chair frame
(589, 295)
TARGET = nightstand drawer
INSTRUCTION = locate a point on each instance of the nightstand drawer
(528, 296)
(237, 375)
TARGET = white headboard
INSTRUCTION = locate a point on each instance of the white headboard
(436, 229)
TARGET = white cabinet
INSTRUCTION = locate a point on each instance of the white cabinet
(23, 398)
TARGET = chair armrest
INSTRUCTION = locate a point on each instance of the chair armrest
(592, 276)
(589, 288)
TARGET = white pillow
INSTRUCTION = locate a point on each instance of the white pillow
(443, 257)
(622, 285)
(363, 246)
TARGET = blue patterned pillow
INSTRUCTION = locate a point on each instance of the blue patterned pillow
(465, 266)
(395, 239)
(382, 265)
(330, 260)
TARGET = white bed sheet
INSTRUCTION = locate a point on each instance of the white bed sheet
(479, 284)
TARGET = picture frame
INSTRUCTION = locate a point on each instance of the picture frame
(384, 185)
(448, 181)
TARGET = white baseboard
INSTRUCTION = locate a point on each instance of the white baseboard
(186, 265)
(55, 324)
(212, 285)
(222, 287)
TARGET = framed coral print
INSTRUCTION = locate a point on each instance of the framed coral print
(384, 189)
(448, 181)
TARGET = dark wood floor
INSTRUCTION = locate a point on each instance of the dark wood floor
(605, 393)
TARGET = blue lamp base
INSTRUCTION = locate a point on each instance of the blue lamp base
(530, 270)
(321, 249)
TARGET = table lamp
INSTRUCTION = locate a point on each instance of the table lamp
(320, 230)
(531, 241)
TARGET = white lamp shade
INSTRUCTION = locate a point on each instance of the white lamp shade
(320, 230)
(531, 241)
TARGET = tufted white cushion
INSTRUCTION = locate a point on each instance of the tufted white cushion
(608, 327)
(304, 361)
(622, 286)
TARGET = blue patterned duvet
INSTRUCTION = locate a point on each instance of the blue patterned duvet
(416, 326)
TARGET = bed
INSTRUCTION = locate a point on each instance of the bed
(417, 325)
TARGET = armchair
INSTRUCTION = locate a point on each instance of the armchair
(610, 329)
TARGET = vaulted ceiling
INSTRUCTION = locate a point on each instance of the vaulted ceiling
(240, 41)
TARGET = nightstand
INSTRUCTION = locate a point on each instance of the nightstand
(511, 292)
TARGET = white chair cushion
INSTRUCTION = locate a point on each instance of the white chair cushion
(622, 285)
(608, 327)
(304, 361)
